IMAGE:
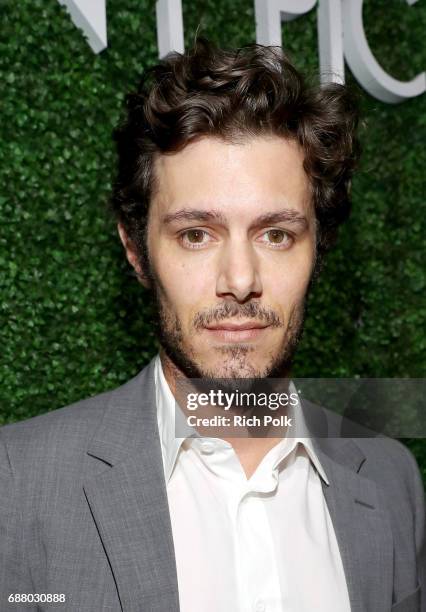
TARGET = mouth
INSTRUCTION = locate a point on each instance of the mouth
(236, 332)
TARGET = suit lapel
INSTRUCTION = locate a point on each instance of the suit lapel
(363, 533)
(128, 499)
(361, 524)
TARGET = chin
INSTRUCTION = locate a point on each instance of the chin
(233, 368)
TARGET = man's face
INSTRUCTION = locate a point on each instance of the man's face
(231, 240)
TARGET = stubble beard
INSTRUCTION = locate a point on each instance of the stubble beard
(235, 357)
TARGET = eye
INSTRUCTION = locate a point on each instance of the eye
(279, 238)
(193, 238)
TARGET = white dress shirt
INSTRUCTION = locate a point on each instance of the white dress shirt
(263, 544)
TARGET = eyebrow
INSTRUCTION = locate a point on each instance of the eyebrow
(193, 214)
(287, 215)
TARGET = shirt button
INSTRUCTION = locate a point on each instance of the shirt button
(260, 606)
(207, 448)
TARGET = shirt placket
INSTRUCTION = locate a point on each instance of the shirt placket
(256, 568)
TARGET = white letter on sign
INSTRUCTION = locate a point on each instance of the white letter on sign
(270, 13)
(91, 18)
(365, 66)
(330, 41)
(169, 26)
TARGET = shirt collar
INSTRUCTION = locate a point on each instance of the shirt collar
(170, 445)
(166, 406)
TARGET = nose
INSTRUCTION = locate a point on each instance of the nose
(238, 274)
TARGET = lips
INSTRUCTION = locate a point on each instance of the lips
(237, 326)
(236, 332)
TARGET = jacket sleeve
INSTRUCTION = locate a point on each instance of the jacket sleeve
(14, 578)
(420, 526)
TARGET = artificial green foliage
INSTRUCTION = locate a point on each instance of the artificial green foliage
(74, 321)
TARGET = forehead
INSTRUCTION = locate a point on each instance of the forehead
(261, 174)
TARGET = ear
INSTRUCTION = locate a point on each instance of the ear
(132, 255)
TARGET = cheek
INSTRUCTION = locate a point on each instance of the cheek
(185, 285)
(288, 284)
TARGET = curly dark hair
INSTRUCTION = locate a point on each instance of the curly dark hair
(235, 94)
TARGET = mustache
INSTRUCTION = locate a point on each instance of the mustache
(251, 310)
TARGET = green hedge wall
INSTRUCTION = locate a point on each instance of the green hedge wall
(74, 322)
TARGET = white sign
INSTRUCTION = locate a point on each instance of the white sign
(341, 37)
(91, 18)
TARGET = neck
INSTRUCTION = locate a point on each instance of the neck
(170, 370)
(250, 451)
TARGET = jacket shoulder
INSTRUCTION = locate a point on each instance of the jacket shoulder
(64, 431)
(389, 456)
(383, 453)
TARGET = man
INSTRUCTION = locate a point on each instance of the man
(233, 178)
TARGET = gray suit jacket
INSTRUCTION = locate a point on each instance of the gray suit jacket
(84, 512)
